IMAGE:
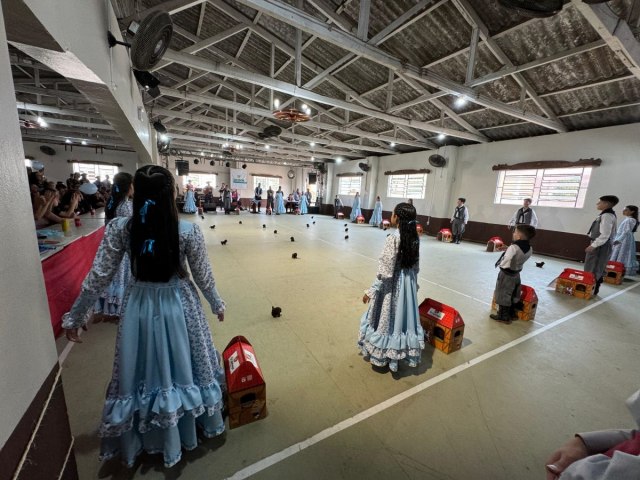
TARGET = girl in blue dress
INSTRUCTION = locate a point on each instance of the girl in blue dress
(190, 200)
(304, 203)
(280, 202)
(355, 208)
(109, 304)
(390, 330)
(624, 244)
(167, 379)
(376, 217)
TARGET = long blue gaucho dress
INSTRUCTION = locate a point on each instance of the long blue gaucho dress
(167, 377)
(390, 329)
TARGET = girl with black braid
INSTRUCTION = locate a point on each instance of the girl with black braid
(390, 330)
(167, 379)
(109, 305)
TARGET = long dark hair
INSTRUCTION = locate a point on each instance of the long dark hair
(634, 214)
(119, 192)
(409, 250)
(155, 254)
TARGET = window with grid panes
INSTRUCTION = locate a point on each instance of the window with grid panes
(349, 185)
(551, 187)
(407, 186)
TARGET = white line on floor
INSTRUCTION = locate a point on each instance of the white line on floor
(370, 412)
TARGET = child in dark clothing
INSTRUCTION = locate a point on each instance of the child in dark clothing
(507, 292)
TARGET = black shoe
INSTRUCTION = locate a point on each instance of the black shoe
(597, 288)
(502, 315)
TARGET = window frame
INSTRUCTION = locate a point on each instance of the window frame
(351, 191)
(405, 190)
(547, 187)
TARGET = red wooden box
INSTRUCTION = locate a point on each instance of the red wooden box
(247, 391)
(495, 244)
(614, 273)
(442, 324)
(576, 282)
(444, 235)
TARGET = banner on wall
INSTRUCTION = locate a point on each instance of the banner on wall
(239, 178)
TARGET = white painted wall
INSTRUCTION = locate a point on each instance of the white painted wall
(374, 182)
(27, 348)
(57, 168)
(468, 174)
(618, 147)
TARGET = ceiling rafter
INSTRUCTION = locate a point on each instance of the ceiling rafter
(615, 32)
(219, 102)
(475, 21)
(311, 25)
(200, 63)
(287, 49)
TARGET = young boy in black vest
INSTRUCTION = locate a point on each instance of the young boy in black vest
(507, 292)
(459, 219)
(601, 234)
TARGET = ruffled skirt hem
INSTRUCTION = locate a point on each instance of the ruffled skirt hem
(159, 409)
(109, 453)
(382, 350)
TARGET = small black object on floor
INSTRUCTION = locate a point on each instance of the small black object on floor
(276, 311)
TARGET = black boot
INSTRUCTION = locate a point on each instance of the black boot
(502, 316)
(458, 238)
(597, 288)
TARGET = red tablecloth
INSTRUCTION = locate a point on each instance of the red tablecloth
(64, 273)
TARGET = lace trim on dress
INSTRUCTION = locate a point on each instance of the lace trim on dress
(382, 348)
(161, 408)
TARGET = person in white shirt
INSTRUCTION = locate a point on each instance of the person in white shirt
(601, 233)
(524, 215)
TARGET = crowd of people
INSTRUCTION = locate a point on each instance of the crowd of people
(52, 202)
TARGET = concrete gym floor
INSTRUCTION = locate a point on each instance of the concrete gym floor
(493, 410)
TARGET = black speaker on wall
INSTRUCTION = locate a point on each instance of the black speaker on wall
(313, 178)
(183, 167)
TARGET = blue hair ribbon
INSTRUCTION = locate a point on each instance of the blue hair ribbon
(412, 222)
(147, 246)
(110, 204)
(115, 187)
(145, 207)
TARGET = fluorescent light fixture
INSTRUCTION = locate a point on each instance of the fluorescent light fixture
(304, 107)
(83, 142)
(267, 147)
(392, 144)
(313, 158)
(276, 103)
(313, 144)
(441, 136)
(338, 159)
(67, 141)
(164, 137)
(42, 122)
